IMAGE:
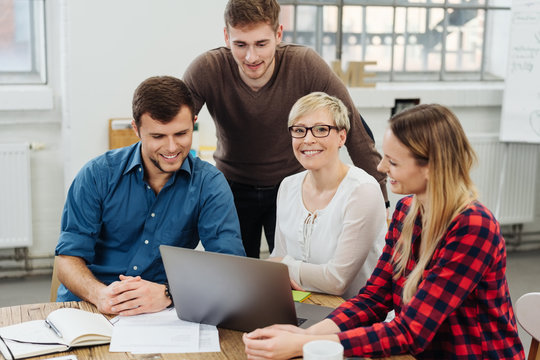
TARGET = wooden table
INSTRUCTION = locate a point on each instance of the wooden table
(232, 347)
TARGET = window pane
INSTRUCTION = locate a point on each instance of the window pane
(467, 2)
(354, 36)
(379, 27)
(322, 2)
(14, 36)
(464, 39)
(414, 2)
(330, 23)
(286, 18)
(22, 54)
(502, 3)
(417, 53)
(369, 2)
(305, 26)
(497, 42)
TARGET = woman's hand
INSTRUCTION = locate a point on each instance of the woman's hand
(275, 342)
(295, 286)
(285, 341)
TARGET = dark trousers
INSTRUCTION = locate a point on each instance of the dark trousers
(256, 208)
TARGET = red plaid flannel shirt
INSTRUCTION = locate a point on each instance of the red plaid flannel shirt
(462, 309)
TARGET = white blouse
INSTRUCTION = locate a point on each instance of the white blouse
(333, 250)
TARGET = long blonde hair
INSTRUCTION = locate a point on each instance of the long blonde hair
(435, 138)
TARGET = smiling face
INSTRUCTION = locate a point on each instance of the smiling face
(164, 146)
(254, 48)
(404, 173)
(317, 153)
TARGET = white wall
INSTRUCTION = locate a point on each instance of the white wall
(111, 46)
(100, 50)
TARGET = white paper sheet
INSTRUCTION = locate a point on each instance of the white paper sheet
(208, 339)
(162, 332)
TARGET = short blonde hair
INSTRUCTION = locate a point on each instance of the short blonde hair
(320, 100)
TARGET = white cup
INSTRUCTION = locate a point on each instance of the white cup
(323, 350)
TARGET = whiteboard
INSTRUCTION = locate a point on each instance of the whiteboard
(520, 120)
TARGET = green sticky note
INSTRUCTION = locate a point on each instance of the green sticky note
(300, 296)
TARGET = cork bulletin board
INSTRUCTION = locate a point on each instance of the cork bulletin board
(121, 133)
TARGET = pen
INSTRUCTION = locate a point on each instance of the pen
(53, 328)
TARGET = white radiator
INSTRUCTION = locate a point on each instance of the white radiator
(15, 199)
(506, 178)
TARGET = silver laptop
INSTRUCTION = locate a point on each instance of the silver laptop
(233, 292)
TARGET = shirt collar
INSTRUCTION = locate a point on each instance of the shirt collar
(136, 162)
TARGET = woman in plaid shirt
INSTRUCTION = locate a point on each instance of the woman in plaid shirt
(442, 269)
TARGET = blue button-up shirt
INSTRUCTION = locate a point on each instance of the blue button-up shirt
(115, 222)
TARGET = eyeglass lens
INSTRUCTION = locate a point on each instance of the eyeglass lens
(317, 131)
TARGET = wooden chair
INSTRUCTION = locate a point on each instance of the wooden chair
(55, 283)
(528, 316)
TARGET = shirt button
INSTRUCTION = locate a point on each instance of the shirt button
(140, 169)
(146, 242)
(153, 215)
(148, 187)
(135, 267)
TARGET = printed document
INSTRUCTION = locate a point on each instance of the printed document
(162, 332)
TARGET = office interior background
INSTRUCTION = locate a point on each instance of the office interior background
(86, 59)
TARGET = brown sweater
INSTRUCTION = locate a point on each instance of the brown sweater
(253, 143)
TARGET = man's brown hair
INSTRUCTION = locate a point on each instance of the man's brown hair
(161, 97)
(251, 12)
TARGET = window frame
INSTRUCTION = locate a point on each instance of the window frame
(442, 74)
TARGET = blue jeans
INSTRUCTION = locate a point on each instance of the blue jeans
(256, 208)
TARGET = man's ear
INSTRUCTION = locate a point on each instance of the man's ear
(135, 129)
(226, 35)
(279, 34)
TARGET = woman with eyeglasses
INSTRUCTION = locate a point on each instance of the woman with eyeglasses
(330, 219)
(442, 269)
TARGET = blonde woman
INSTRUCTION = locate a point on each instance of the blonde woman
(442, 269)
(330, 221)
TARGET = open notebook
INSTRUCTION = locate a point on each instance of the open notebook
(64, 328)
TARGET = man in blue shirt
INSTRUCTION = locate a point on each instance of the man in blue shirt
(125, 203)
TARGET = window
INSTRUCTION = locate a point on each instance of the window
(411, 40)
(22, 42)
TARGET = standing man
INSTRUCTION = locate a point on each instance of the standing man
(249, 88)
(125, 203)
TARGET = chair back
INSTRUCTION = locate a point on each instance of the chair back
(55, 283)
(528, 316)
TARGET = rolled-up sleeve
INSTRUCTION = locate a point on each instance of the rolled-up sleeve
(219, 228)
(81, 217)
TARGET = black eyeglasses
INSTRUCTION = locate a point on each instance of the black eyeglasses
(319, 131)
